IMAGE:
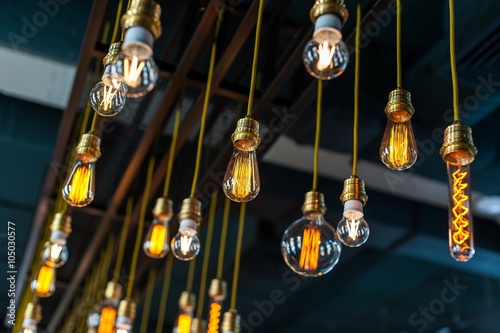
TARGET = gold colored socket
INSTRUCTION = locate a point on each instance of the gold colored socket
(336, 7)
(399, 108)
(231, 321)
(33, 311)
(113, 290)
(163, 208)
(198, 325)
(314, 205)
(190, 209)
(127, 308)
(114, 51)
(458, 146)
(246, 134)
(354, 188)
(218, 289)
(144, 13)
(187, 300)
(62, 221)
(88, 148)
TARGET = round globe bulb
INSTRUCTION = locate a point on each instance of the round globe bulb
(140, 75)
(352, 231)
(55, 254)
(185, 245)
(324, 57)
(108, 99)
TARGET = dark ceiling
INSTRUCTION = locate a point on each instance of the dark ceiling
(386, 285)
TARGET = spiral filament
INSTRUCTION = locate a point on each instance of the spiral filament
(309, 254)
(460, 233)
(214, 319)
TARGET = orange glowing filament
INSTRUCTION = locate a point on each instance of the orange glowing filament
(460, 233)
(107, 323)
(398, 151)
(80, 184)
(213, 323)
(44, 281)
(309, 255)
(184, 323)
(157, 239)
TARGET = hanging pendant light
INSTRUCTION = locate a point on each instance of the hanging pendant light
(55, 252)
(217, 293)
(231, 322)
(103, 317)
(156, 241)
(126, 316)
(326, 56)
(352, 229)
(44, 283)
(32, 316)
(186, 244)
(198, 325)
(187, 302)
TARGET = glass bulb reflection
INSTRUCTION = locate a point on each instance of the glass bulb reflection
(55, 254)
(398, 150)
(79, 188)
(310, 247)
(185, 245)
(325, 56)
(140, 75)
(108, 99)
(352, 231)
(242, 181)
(156, 241)
(44, 283)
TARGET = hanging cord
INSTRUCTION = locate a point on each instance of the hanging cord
(123, 240)
(147, 300)
(117, 21)
(398, 44)
(356, 92)
(317, 136)
(206, 256)
(223, 237)
(140, 226)
(164, 294)
(453, 63)
(171, 155)
(208, 90)
(253, 79)
(237, 258)
(190, 278)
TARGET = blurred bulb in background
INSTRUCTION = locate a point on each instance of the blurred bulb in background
(44, 283)
(55, 252)
(186, 245)
(157, 238)
(186, 307)
(32, 316)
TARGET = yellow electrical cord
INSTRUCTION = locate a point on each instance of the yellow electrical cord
(140, 226)
(117, 21)
(208, 89)
(318, 133)
(237, 258)
(171, 155)
(123, 239)
(164, 294)
(253, 79)
(206, 256)
(190, 279)
(147, 300)
(223, 237)
(453, 63)
(398, 44)
(356, 92)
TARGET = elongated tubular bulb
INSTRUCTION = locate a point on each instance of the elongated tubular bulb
(157, 238)
(108, 312)
(217, 293)
(44, 283)
(187, 303)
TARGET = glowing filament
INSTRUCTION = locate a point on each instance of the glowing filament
(107, 97)
(398, 145)
(184, 323)
(157, 240)
(45, 279)
(352, 228)
(132, 71)
(325, 53)
(55, 251)
(309, 254)
(460, 232)
(107, 323)
(186, 243)
(214, 319)
(80, 184)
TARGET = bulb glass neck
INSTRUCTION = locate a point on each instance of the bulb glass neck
(328, 26)
(188, 227)
(353, 209)
(138, 42)
(58, 237)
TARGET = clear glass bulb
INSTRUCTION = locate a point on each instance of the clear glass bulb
(44, 283)
(55, 253)
(398, 150)
(461, 233)
(310, 247)
(214, 316)
(156, 241)
(242, 181)
(79, 187)
(140, 75)
(325, 56)
(94, 318)
(352, 231)
(108, 99)
(186, 245)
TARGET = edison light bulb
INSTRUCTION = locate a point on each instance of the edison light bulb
(242, 181)
(55, 254)
(352, 229)
(126, 315)
(140, 75)
(461, 234)
(231, 322)
(79, 187)
(32, 316)
(186, 245)
(217, 293)
(186, 308)
(156, 241)
(93, 319)
(103, 317)
(44, 283)
(108, 99)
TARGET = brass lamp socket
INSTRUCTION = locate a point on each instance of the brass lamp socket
(314, 205)
(198, 325)
(163, 208)
(113, 290)
(114, 51)
(144, 13)
(231, 321)
(246, 134)
(458, 146)
(218, 290)
(127, 308)
(399, 108)
(190, 209)
(88, 148)
(354, 188)
(33, 311)
(187, 301)
(335, 7)
(61, 222)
